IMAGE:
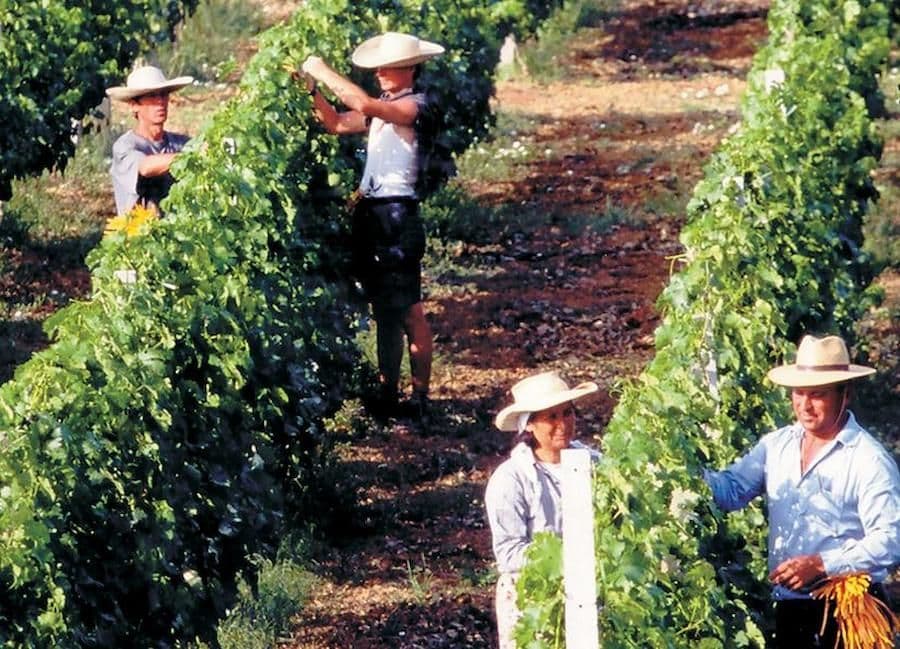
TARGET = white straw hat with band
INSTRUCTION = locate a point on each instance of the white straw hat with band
(537, 393)
(820, 361)
(394, 50)
(146, 80)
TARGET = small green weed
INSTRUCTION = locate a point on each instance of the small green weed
(421, 581)
(667, 204)
(263, 613)
(478, 577)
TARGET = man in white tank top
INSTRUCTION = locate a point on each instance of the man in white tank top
(388, 236)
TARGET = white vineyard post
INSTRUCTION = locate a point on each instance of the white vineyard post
(578, 551)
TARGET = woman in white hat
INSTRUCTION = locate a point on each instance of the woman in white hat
(832, 491)
(388, 235)
(141, 157)
(523, 495)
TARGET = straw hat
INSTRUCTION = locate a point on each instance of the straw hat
(537, 393)
(394, 50)
(820, 361)
(145, 80)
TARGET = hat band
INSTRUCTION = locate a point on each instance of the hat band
(842, 367)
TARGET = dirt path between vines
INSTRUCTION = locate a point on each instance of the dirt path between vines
(647, 97)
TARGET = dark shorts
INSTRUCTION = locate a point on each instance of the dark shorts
(388, 245)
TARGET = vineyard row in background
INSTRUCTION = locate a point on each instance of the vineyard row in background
(773, 249)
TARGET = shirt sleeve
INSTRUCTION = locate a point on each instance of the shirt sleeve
(734, 487)
(878, 507)
(126, 159)
(508, 515)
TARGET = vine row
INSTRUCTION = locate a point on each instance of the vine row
(772, 249)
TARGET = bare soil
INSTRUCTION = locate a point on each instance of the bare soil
(645, 100)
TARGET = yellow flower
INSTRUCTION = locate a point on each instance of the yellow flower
(864, 621)
(132, 221)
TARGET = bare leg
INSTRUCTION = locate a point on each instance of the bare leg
(389, 339)
(418, 335)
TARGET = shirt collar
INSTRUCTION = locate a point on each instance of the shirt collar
(403, 93)
(847, 436)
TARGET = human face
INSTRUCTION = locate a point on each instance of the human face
(152, 109)
(553, 428)
(819, 409)
(395, 79)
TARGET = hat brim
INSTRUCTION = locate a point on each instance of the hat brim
(368, 56)
(791, 377)
(508, 418)
(124, 93)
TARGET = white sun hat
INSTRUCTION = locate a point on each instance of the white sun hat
(145, 80)
(537, 393)
(820, 361)
(394, 50)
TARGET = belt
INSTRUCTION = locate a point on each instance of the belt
(378, 200)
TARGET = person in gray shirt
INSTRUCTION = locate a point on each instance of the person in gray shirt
(524, 495)
(141, 157)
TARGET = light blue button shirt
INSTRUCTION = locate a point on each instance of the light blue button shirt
(845, 508)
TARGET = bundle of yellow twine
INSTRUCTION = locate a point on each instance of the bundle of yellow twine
(864, 621)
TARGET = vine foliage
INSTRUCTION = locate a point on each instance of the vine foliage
(56, 58)
(772, 250)
(175, 425)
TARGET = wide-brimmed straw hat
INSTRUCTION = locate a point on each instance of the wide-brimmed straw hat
(537, 393)
(146, 80)
(394, 50)
(820, 361)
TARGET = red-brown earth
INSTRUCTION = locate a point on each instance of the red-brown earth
(645, 98)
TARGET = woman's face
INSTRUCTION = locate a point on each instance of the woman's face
(553, 428)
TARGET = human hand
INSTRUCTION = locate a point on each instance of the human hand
(299, 76)
(797, 572)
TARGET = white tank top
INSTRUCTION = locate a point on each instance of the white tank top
(391, 164)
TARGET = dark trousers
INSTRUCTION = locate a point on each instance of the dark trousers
(388, 240)
(798, 625)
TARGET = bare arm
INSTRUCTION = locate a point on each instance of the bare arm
(155, 165)
(344, 123)
(402, 112)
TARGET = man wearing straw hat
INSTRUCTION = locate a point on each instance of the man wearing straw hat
(388, 237)
(833, 492)
(141, 157)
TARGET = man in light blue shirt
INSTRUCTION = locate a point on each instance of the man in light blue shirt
(832, 490)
